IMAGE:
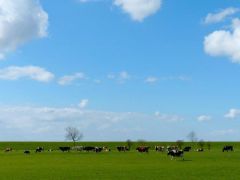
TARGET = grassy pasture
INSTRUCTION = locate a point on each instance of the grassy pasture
(212, 164)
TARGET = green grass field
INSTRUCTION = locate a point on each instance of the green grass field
(212, 164)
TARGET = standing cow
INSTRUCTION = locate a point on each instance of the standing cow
(159, 148)
(227, 148)
(142, 149)
(63, 149)
(39, 149)
(122, 148)
(187, 149)
(89, 148)
(176, 153)
(26, 152)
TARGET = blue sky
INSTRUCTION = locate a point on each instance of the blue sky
(119, 69)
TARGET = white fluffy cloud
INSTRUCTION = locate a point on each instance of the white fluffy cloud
(151, 79)
(49, 123)
(203, 118)
(139, 9)
(124, 75)
(69, 79)
(121, 77)
(168, 117)
(20, 21)
(220, 16)
(83, 103)
(233, 113)
(225, 42)
(30, 72)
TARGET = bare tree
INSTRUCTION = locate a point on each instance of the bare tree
(129, 144)
(180, 143)
(192, 136)
(73, 134)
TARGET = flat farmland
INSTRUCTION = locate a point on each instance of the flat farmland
(213, 164)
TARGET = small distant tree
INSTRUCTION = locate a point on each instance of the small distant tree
(192, 136)
(201, 144)
(73, 134)
(208, 145)
(180, 143)
(129, 144)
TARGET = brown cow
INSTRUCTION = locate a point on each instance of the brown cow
(142, 149)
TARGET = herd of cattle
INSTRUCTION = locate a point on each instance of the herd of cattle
(173, 151)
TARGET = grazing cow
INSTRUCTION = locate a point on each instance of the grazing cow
(159, 148)
(8, 149)
(122, 148)
(63, 149)
(142, 149)
(176, 153)
(26, 152)
(89, 148)
(187, 149)
(200, 150)
(39, 149)
(106, 149)
(98, 149)
(77, 148)
(227, 148)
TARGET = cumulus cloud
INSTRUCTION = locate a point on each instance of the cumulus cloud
(233, 113)
(172, 78)
(203, 118)
(69, 79)
(220, 16)
(225, 42)
(151, 79)
(29, 72)
(168, 117)
(20, 22)
(124, 75)
(83, 103)
(121, 77)
(139, 9)
(44, 123)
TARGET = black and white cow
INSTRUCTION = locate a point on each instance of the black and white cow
(98, 149)
(26, 152)
(187, 148)
(39, 149)
(65, 148)
(227, 148)
(89, 148)
(159, 148)
(176, 153)
(122, 148)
